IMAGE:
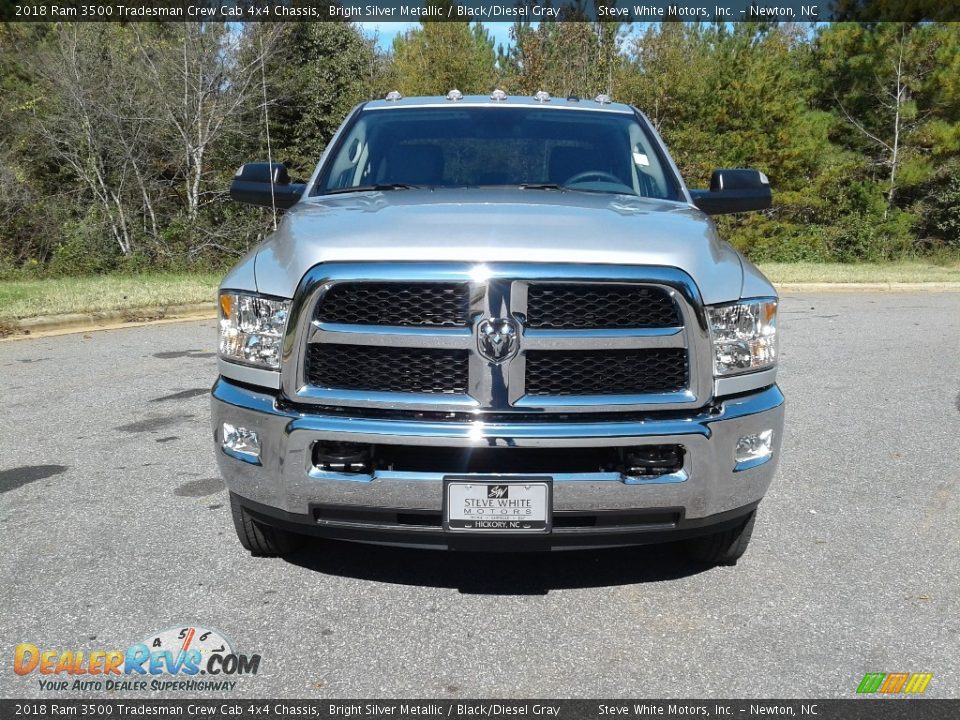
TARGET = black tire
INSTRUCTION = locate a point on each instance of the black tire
(724, 547)
(260, 539)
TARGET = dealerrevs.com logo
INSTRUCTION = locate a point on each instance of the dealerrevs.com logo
(198, 659)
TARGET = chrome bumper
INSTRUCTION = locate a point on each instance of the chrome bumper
(285, 478)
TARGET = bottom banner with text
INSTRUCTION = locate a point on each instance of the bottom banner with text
(852, 709)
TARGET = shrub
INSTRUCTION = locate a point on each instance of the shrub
(939, 226)
(865, 238)
(86, 250)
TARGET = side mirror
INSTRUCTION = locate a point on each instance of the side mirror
(253, 181)
(733, 191)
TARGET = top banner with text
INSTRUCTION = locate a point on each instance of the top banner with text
(615, 11)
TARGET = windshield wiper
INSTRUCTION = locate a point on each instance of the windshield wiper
(542, 186)
(371, 188)
(598, 191)
(571, 188)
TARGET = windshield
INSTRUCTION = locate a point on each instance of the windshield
(520, 146)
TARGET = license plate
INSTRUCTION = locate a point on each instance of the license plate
(495, 505)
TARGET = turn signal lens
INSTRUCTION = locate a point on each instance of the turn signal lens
(227, 304)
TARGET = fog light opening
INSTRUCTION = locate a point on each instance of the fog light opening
(241, 443)
(652, 460)
(342, 457)
(753, 450)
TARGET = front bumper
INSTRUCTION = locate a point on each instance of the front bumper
(285, 487)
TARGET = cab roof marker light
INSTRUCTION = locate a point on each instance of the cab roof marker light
(498, 95)
(602, 99)
(542, 96)
(393, 96)
(454, 95)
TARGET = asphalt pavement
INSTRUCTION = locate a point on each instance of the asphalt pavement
(114, 525)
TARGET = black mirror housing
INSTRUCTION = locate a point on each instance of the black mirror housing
(734, 190)
(266, 185)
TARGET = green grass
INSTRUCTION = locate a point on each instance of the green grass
(57, 296)
(906, 271)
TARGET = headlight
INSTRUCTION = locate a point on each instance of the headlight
(251, 329)
(744, 336)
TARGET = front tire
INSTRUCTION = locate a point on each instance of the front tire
(260, 539)
(724, 547)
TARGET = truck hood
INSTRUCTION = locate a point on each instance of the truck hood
(495, 226)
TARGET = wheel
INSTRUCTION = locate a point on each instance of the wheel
(260, 539)
(724, 547)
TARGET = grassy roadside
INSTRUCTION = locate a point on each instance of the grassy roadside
(912, 271)
(56, 296)
(38, 298)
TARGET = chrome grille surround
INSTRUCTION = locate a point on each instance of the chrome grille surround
(497, 290)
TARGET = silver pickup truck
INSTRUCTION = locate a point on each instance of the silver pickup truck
(497, 323)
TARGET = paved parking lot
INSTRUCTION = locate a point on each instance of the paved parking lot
(115, 525)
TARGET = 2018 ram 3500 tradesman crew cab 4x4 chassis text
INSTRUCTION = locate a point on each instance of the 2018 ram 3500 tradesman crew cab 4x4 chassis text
(497, 323)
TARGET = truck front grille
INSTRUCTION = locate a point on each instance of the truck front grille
(612, 372)
(583, 307)
(387, 369)
(569, 338)
(399, 304)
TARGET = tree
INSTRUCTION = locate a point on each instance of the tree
(669, 73)
(31, 225)
(873, 76)
(736, 96)
(117, 142)
(201, 88)
(90, 123)
(894, 91)
(315, 75)
(573, 57)
(440, 56)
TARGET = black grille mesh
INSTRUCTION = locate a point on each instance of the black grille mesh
(600, 306)
(611, 372)
(397, 303)
(387, 369)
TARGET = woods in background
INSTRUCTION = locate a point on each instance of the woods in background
(117, 142)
